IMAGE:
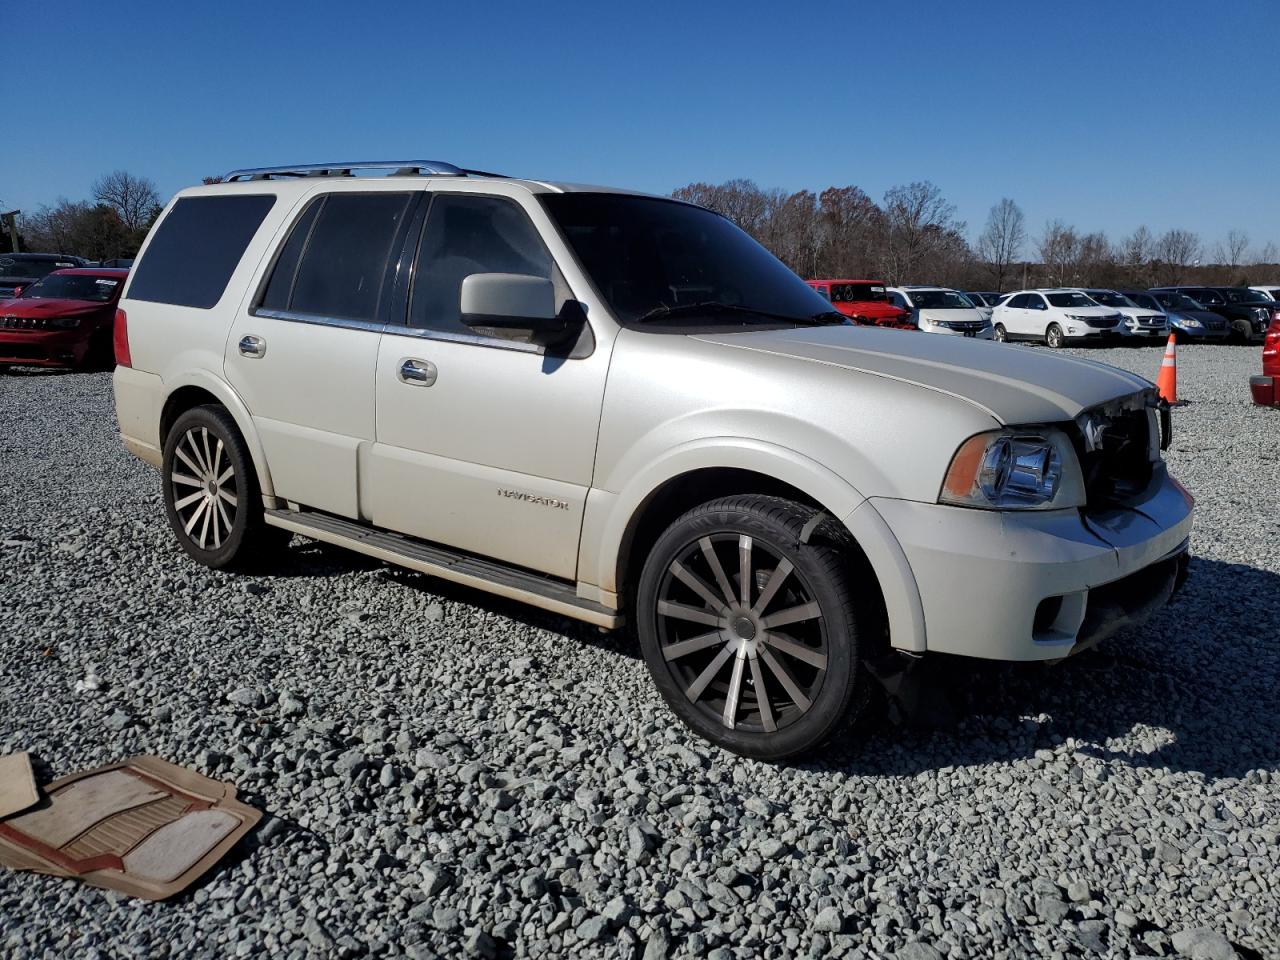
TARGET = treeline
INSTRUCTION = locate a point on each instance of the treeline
(112, 223)
(913, 236)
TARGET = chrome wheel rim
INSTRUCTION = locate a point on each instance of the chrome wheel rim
(748, 648)
(203, 487)
(1055, 338)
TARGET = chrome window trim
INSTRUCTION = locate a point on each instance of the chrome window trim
(320, 321)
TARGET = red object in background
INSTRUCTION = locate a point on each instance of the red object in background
(63, 320)
(863, 301)
(1266, 388)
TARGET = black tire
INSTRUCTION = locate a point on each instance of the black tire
(1000, 334)
(198, 445)
(808, 698)
(1053, 336)
(1241, 331)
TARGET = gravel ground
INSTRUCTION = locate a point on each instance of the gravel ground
(446, 774)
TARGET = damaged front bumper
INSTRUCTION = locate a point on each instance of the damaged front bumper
(1041, 585)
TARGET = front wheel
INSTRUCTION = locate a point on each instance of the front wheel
(1053, 336)
(1000, 334)
(753, 637)
(211, 492)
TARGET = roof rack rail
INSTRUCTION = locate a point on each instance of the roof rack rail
(401, 168)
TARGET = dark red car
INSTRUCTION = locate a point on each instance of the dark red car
(863, 301)
(62, 320)
(1266, 388)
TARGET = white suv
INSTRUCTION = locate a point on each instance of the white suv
(615, 406)
(942, 310)
(1054, 316)
(1137, 321)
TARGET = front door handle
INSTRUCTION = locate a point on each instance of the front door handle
(417, 373)
(251, 346)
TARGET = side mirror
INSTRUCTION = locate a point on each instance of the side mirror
(512, 305)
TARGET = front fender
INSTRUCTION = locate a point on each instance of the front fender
(608, 514)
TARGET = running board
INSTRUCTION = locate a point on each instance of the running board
(497, 578)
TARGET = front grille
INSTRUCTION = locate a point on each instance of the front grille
(965, 325)
(1120, 467)
(23, 323)
(1101, 323)
(23, 351)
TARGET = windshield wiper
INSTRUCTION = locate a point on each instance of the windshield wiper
(717, 306)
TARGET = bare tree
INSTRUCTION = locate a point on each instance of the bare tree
(1174, 252)
(1059, 249)
(1000, 242)
(1231, 251)
(134, 199)
(1268, 254)
(919, 222)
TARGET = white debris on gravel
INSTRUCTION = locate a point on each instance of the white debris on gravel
(450, 774)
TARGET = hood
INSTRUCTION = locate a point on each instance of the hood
(1204, 316)
(869, 308)
(31, 307)
(1013, 384)
(973, 315)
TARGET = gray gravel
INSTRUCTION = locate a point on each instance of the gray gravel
(446, 774)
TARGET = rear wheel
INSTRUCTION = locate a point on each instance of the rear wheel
(1053, 336)
(752, 637)
(1000, 333)
(211, 492)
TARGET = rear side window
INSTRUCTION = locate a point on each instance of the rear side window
(466, 234)
(335, 260)
(197, 247)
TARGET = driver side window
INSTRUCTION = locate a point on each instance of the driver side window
(467, 234)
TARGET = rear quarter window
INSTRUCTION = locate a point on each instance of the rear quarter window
(197, 247)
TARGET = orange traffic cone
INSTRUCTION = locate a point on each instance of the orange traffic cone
(1167, 382)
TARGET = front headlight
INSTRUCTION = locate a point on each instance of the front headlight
(1015, 469)
(66, 323)
(1191, 322)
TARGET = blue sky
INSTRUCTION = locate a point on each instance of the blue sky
(1106, 114)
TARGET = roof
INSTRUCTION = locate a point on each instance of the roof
(39, 256)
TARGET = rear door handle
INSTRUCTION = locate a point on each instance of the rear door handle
(251, 346)
(417, 373)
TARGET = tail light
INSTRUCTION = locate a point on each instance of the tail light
(17, 290)
(120, 339)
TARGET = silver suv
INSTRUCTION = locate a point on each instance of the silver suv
(614, 406)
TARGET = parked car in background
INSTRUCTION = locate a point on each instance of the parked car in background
(942, 310)
(984, 301)
(1188, 320)
(1270, 292)
(1054, 316)
(63, 319)
(777, 500)
(1247, 311)
(863, 301)
(1266, 388)
(19, 270)
(1139, 322)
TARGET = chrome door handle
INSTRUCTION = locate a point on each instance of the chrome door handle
(251, 346)
(417, 373)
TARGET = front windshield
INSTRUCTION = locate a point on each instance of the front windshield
(1109, 298)
(1211, 297)
(648, 256)
(1070, 300)
(1180, 301)
(1245, 296)
(858, 292)
(940, 300)
(72, 286)
(30, 268)
(1145, 301)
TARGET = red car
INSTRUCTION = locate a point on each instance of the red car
(1266, 388)
(62, 320)
(863, 301)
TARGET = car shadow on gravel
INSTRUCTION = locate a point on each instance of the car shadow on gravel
(1196, 689)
